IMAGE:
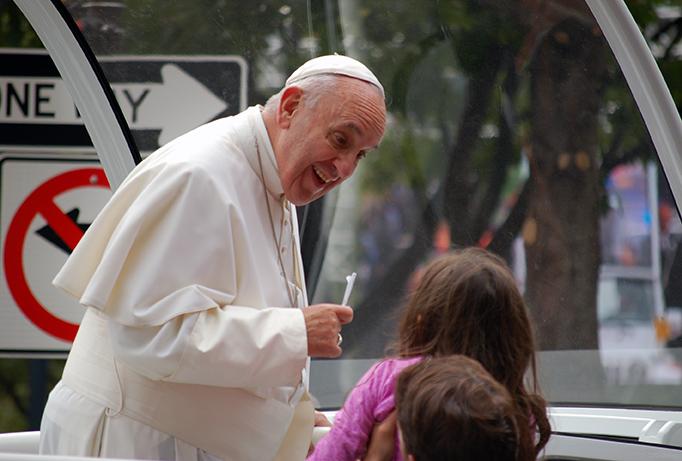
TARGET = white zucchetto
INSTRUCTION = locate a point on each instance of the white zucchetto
(335, 64)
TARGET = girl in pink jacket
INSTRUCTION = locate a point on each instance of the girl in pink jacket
(467, 303)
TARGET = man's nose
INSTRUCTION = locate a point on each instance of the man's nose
(345, 165)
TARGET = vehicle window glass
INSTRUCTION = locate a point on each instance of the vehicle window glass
(514, 129)
(510, 127)
(202, 60)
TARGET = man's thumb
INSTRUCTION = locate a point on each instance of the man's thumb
(344, 314)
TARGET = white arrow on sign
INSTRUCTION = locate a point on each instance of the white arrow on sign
(174, 106)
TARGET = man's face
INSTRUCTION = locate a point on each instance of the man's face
(320, 146)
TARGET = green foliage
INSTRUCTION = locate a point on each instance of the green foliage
(15, 32)
(186, 27)
(644, 11)
(413, 154)
(13, 395)
(16, 393)
(672, 73)
(472, 31)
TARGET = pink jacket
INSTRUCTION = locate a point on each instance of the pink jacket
(370, 402)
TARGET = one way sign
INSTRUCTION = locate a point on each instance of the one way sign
(161, 97)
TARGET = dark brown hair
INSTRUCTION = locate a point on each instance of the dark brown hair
(467, 302)
(451, 408)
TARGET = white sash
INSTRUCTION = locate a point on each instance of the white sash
(233, 424)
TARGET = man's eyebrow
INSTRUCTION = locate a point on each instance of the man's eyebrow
(354, 127)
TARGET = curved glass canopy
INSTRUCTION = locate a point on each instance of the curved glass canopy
(542, 131)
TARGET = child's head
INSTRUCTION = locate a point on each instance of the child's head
(451, 408)
(467, 302)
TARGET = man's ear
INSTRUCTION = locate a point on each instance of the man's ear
(288, 104)
(410, 458)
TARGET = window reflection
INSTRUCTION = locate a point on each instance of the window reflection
(516, 132)
(626, 225)
(510, 127)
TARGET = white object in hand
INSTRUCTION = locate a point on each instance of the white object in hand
(350, 280)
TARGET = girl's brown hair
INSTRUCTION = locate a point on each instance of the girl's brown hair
(467, 302)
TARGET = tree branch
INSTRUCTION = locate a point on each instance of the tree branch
(507, 232)
(504, 154)
(457, 186)
(612, 161)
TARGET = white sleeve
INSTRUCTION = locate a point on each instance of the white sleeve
(171, 302)
(231, 347)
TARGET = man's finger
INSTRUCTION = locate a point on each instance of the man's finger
(321, 420)
(344, 314)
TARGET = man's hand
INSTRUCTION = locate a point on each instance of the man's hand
(323, 325)
(321, 420)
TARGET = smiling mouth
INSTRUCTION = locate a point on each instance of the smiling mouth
(320, 174)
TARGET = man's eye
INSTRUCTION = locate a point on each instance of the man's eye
(340, 140)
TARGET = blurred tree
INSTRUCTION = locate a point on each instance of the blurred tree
(496, 96)
(273, 37)
(15, 32)
(561, 229)
(539, 80)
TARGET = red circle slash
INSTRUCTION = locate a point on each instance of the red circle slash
(41, 202)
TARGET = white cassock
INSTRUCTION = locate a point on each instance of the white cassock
(189, 348)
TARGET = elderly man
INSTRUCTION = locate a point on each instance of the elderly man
(192, 345)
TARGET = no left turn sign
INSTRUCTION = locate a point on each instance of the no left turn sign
(46, 206)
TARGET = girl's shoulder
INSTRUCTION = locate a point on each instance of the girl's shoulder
(384, 382)
(388, 368)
